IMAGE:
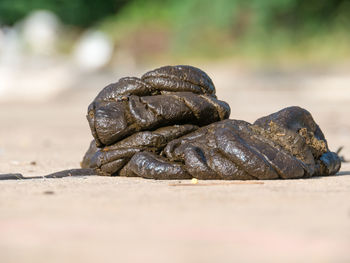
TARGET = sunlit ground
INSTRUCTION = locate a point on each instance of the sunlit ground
(44, 94)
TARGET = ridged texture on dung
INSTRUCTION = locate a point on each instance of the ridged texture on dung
(166, 96)
(169, 125)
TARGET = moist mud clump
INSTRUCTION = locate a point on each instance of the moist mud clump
(169, 124)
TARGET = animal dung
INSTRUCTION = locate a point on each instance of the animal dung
(169, 124)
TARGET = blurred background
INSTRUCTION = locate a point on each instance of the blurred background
(62, 41)
(263, 55)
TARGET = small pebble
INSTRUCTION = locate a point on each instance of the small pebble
(194, 181)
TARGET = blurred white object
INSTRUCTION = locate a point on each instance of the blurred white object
(36, 75)
(28, 77)
(2, 39)
(93, 51)
(10, 57)
(40, 31)
(11, 49)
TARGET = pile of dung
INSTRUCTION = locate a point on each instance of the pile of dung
(169, 124)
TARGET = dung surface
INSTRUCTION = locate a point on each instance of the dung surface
(169, 125)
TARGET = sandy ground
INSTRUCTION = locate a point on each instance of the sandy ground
(99, 219)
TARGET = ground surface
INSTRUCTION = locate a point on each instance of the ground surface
(103, 219)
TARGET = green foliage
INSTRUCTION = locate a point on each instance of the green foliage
(220, 27)
(221, 14)
(238, 26)
(73, 12)
(245, 17)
